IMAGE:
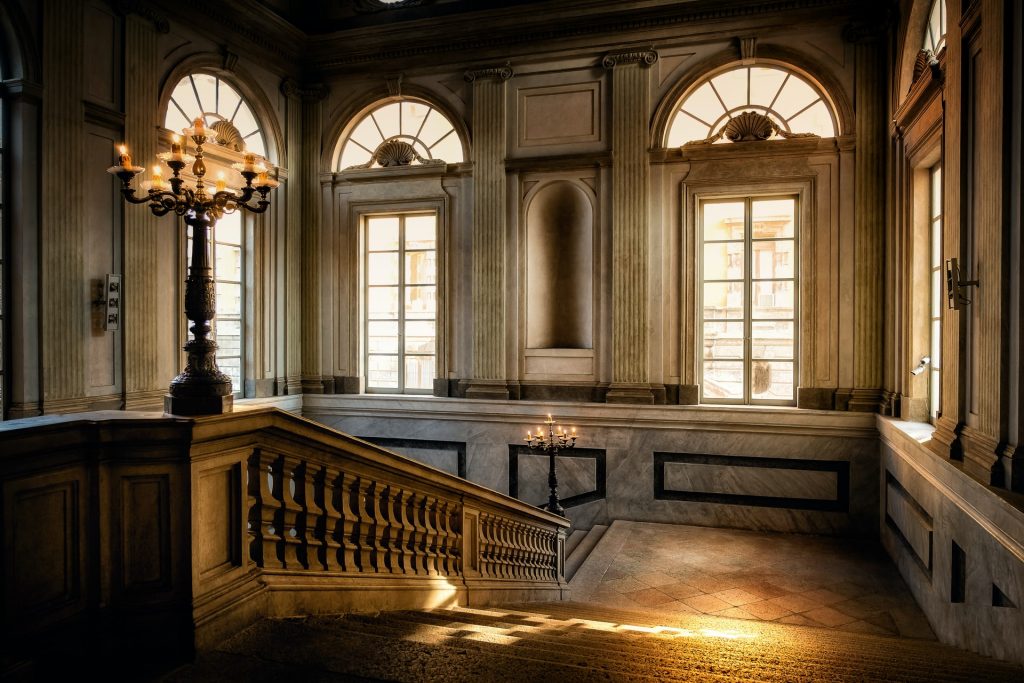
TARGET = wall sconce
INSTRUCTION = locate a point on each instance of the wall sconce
(955, 294)
(925, 360)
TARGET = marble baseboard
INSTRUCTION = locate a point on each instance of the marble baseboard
(958, 543)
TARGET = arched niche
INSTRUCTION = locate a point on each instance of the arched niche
(559, 268)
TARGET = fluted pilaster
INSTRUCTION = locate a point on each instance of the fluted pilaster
(65, 293)
(630, 245)
(489, 233)
(143, 383)
(869, 222)
(293, 247)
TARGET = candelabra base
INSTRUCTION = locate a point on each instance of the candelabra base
(198, 405)
(557, 509)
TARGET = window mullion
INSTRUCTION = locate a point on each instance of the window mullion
(748, 298)
(401, 299)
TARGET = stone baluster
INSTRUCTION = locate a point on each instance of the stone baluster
(417, 535)
(364, 538)
(349, 507)
(394, 533)
(290, 512)
(403, 506)
(252, 507)
(434, 541)
(269, 478)
(454, 547)
(377, 501)
(630, 244)
(332, 531)
(312, 520)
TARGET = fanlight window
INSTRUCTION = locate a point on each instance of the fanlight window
(222, 109)
(401, 133)
(792, 105)
(935, 33)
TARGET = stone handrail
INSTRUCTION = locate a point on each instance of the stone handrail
(205, 525)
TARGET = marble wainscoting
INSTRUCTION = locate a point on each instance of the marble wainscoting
(958, 543)
(777, 469)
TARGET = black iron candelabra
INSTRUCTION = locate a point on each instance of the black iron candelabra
(201, 388)
(551, 443)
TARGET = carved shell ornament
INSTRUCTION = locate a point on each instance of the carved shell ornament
(749, 126)
(227, 135)
(396, 152)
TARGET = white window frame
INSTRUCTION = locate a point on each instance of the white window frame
(364, 255)
(747, 198)
(937, 299)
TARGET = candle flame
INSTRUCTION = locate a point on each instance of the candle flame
(176, 138)
(122, 149)
(157, 171)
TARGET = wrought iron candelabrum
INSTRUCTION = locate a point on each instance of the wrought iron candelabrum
(201, 388)
(550, 444)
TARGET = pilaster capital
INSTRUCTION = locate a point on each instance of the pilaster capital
(497, 73)
(311, 92)
(644, 58)
(161, 24)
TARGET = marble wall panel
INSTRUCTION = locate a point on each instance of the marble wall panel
(774, 482)
(629, 437)
(581, 476)
(447, 456)
(909, 520)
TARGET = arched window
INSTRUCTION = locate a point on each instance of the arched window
(3, 273)
(793, 106)
(222, 108)
(935, 32)
(225, 111)
(400, 133)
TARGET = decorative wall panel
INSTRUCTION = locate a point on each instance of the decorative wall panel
(581, 475)
(561, 114)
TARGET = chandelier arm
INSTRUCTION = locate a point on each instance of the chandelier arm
(129, 196)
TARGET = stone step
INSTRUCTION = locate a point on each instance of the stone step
(582, 550)
(574, 539)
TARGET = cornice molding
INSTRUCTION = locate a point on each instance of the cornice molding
(645, 58)
(161, 24)
(20, 89)
(312, 92)
(497, 73)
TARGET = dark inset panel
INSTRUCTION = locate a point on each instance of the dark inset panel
(909, 522)
(770, 468)
(456, 448)
(957, 574)
(600, 471)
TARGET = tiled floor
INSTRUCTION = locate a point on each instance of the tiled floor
(809, 580)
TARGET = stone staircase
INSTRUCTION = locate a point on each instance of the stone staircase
(574, 642)
(579, 545)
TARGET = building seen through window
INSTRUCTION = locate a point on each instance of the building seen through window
(400, 266)
(748, 300)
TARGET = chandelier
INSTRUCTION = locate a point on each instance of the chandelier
(550, 444)
(201, 388)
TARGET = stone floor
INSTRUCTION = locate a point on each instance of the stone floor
(835, 583)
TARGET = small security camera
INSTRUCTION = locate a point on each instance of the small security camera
(925, 360)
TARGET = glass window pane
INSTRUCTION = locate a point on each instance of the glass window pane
(244, 121)
(732, 88)
(229, 299)
(366, 134)
(186, 98)
(382, 268)
(704, 104)
(771, 381)
(936, 344)
(420, 267)
(382, 337)
(936, 192)
(772, 299)
(382, 303)
(353, 155)
(206, 87)
(723, 340)
(795, 95)
(723, 261)
(936, 260)
(229, 337)
(232, 367)
(816, 119)
(419, 372)
(420, 302)
(435, 127)
(387, 119)
(934, 392)
(382, 233)
(723, 221)
(413, 115)
(685, 129)
(420, 336)
(773, 259)
(448, 149)
(771, 339)
(175, 120)
(773, 218)
(229, 228)
(229, 262)
(420, 232)
(764, 84)
(937, 293)
(382, 372)
(723, 300)
(722, 379)
(227, 100)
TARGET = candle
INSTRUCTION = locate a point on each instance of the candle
(124, 159)
(221, 183)
(176, 147)
(158, 179)
(198, 125)
(250, 160)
